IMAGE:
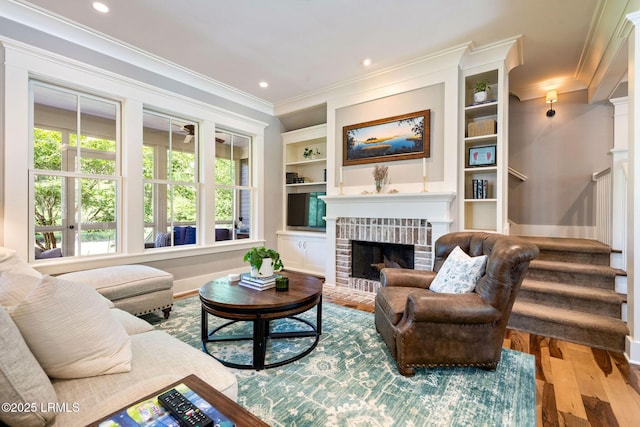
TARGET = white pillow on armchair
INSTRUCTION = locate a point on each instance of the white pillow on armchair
(459, 273)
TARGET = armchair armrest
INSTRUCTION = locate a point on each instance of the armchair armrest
(450, 308)
(406, 278)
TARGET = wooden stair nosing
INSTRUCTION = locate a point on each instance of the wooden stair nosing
(563, 316)
(607, 296)
(567, 267)
(568, 244)
(606, 333)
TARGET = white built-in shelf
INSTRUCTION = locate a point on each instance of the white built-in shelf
(302, 184)
(307, 162)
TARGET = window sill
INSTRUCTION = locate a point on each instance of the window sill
(66, 265)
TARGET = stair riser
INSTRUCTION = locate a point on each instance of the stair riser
(574, 257)
(602, 308)
(571, 278)
(594, 338)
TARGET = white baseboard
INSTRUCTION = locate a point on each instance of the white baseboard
(578, 232)
(632, 351)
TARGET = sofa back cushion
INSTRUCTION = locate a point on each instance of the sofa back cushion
(9, 261)
(22, 380)
(71, 330)
(14, 288)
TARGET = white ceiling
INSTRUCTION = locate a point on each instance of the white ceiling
(302, 46)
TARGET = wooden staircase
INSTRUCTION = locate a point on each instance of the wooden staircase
(569, 294)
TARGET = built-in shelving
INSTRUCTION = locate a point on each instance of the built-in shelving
(481, 207)
(303, 250)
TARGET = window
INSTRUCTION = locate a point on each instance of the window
(233, 193)
(76, 172)
(170, 181)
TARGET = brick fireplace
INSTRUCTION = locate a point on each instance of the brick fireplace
(416, 219)
(412, 232)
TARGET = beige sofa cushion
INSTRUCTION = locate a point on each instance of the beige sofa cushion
(132, 324)
(71, 331)
(14, 288)
(158, 360)
(9, 261)
(123, 281)
(22, 380)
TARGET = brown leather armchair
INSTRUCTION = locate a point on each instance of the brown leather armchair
(423, 328)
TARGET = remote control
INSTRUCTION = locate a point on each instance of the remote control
(183, 410)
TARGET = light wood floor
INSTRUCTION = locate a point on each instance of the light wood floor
(575, 385)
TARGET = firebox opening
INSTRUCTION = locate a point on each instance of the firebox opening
(368, 258)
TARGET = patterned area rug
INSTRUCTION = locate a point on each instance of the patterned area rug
(350, 379)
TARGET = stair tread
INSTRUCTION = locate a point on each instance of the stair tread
(579, 319)
(567, 244)
(594, 269)
(576, 291)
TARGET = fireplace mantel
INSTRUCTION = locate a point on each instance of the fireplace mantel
(435, 208)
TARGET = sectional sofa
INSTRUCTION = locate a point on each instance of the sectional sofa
(69, 357)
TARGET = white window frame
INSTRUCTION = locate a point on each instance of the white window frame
(159, 208)
(22, 63)
(70, 154)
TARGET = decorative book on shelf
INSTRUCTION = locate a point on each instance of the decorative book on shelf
(151, 413)
(480, 189)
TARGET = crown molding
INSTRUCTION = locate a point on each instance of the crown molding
(57, 26)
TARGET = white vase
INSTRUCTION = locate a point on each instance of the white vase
(266, 270)
(480, 96)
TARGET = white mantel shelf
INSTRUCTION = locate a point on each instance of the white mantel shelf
(433, 206)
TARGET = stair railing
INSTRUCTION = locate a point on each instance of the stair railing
(603, 205)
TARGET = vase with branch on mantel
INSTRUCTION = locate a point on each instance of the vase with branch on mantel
(380, 177)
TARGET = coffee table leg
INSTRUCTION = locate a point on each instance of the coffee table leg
(319, 317)
(259, 342)
(204, 329)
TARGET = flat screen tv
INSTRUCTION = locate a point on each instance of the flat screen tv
(306, 210)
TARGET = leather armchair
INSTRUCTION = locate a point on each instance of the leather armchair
(423, 328)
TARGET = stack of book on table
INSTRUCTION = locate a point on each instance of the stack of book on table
(259, 283)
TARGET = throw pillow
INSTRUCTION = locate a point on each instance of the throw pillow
(9, 261)
(22, 380)
(71, 331)
(14, 288)
(459, 273)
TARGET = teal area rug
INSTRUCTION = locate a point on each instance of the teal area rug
(350, 378)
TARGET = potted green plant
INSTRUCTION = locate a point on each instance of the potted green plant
(480, 90)
(263, 261)
(310, 153)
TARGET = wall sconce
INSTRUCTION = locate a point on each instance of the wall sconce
(552, 96)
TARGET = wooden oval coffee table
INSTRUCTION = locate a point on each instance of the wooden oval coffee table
(229, 300)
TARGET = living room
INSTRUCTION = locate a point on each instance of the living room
(68, 56)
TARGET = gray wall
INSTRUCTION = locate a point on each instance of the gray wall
(558, 155)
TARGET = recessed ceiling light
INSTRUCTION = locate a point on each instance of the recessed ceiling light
(263, 84)
(366, 62)
(100, 7)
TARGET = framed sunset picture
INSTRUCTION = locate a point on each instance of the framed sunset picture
(394, 138)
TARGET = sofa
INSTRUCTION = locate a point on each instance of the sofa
(70, 357)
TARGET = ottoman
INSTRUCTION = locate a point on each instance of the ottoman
(137, 289)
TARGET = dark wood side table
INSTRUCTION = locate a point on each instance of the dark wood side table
(235, 302)
(236, 413)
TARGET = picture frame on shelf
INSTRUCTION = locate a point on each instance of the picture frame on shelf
(484, 155)
(393, 138)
